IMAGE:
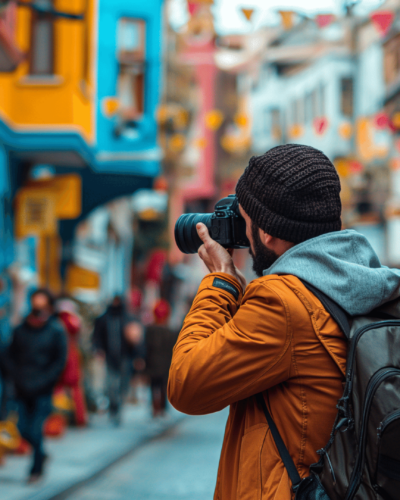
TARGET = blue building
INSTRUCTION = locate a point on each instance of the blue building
(83, 101)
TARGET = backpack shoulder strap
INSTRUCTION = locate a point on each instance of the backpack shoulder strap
(337, 312)
(342, 319)
(283, 451)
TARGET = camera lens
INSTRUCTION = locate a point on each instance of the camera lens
(186, 236)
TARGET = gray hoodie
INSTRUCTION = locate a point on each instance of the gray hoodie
(344, 266)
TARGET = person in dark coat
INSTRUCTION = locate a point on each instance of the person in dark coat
(35, 359)
(110, 339)
(160, 341)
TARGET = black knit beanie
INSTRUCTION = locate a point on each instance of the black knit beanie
(291, 192)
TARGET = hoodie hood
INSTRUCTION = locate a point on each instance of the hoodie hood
(344, 266)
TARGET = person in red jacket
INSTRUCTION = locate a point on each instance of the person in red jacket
(72, 376)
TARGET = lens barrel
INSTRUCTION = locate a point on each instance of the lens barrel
(186, 237)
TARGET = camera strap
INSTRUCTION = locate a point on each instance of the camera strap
(283, 451)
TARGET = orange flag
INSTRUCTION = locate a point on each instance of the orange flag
(287, 19)
(248, 13)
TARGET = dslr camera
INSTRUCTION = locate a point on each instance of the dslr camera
(226, 226)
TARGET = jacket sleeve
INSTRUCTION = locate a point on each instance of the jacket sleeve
(229, 348)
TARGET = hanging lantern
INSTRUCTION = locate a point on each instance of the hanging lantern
(295, 131)
(110, 106)
(382, 21)
(160, 184)
(214, 119)
(200, 142)
(177, 143)
(248, 13)
(324, 20)
(320, 125)
(342, 167)
(162, 113)
(241, 120)
(346, 130)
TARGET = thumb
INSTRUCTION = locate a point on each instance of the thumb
(203, 233)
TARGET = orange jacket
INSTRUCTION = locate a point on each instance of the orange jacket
(279, 339)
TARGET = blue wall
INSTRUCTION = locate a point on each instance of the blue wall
(109, 14)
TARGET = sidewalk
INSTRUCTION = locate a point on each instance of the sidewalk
(83, 453)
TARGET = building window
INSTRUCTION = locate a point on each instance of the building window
(131, 38)
(42, 39)
(347, 96)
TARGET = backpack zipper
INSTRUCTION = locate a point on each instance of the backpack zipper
(388, 420)
(374, 383)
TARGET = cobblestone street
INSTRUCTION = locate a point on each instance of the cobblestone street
(181, 465)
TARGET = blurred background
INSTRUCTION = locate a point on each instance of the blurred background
(117, 116)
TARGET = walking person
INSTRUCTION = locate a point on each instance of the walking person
(110, 339)
(159, 341)
(35, 359)
(271, 346)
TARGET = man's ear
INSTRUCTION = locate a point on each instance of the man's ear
(266, 239)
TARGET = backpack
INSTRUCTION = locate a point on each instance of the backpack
(361, 460)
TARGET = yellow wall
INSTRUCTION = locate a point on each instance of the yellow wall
(66, 101)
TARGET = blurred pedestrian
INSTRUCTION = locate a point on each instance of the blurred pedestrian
(36, 357)
(111, 340)
(160, 340)
(72, 376)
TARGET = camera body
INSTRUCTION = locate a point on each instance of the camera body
(225, 225)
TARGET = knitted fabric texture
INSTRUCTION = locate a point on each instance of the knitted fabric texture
(292, 193)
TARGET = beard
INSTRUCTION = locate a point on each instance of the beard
(263, 257)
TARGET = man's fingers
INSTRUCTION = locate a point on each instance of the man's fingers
(203, 233)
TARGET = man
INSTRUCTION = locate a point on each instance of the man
(160, 341)
(110, 339)
(36, 358)
(273, 336)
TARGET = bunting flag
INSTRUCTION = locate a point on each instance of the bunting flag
(320, 125)
(192, 7)
(381, 120)
(356, 167)
(287, 19)
(396, 120)
(324, 20)
(395, 164)
(248, 13)
(214, 119)
(383, 21)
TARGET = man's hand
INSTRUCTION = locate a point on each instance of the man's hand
(215, 257)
